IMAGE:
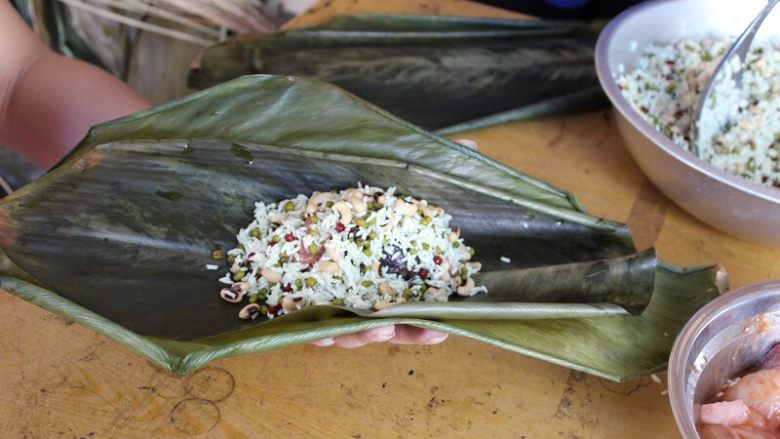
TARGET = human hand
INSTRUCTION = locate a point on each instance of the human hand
(397, 334)
(48, 102)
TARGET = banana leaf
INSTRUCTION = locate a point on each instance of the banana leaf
(435, 72)
(118, 235)
(135, 229)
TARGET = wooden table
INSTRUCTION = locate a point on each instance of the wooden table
(59, 380)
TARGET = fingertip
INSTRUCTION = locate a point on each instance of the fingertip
(325, 342)
(434, 337)
(468, 143)
(378, 335)
(406, 334)
(359, 339)
(349, 341)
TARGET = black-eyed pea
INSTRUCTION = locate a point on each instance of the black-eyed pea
(270, 275)
(358, 205)
(424, 209)
(404, 208)
(231, 296)
(386, 290)
(289, 303)
(316, 199)
(344, 210)
(250, 311)
(474, 266)
(467, 289)
(240, 287)
(393, 221)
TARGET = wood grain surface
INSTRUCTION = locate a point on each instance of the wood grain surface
(59, 380)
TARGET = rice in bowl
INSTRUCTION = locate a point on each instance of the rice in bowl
(741, 130)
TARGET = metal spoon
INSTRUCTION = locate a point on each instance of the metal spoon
(740, 49)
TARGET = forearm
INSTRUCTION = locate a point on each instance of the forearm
(55, 101)
(48, 102)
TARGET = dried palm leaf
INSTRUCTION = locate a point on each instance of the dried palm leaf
(436, 72)
(103, 32)
(202, 21)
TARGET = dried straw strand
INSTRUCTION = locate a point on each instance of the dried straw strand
(5, 186)
(206, 21)
(148, 9)
(138, 23)
(234, 15)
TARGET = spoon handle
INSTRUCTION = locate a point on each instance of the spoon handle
(740, 48)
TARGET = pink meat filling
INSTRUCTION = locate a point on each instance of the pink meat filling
(750, 408)
(724, 413)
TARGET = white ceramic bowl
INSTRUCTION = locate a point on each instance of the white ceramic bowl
(721, 199)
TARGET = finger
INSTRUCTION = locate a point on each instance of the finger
(324, 342)
(405, 334)
(468, 143)
(359, 339)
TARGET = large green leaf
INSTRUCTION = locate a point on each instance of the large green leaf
(618, 348)
(129, 236)
(433, 71)
(118, 235)
(299, 113)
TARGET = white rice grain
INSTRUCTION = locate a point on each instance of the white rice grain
(740, 131)
(283, 238)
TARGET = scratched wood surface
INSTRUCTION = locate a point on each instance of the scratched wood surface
(59, 380)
